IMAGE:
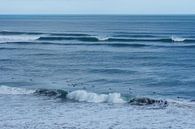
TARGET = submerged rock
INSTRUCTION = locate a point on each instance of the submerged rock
(51, 93)
(147, 101)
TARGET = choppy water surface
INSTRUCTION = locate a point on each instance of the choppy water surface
(97, 72)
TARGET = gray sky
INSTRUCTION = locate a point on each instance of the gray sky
(97, 6)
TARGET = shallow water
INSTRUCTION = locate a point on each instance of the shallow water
(102, 62)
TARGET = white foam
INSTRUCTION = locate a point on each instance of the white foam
(102, 38)
(29, 112)
(177, 39)
(84, 96)
(14, 90)
(17, 38)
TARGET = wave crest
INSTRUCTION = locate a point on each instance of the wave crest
(178, 39)
(17, 38)
(84, 96)
(115, 39)
(11, 36)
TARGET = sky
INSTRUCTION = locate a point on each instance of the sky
(97, 6)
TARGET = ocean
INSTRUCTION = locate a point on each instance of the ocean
(97, 72)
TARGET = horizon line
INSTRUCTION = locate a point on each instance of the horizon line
(100, 14)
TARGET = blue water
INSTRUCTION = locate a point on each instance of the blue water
(145, 56)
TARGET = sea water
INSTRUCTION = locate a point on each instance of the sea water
(83, 72)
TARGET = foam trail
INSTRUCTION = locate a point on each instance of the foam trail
(84, 96)
(14, 90)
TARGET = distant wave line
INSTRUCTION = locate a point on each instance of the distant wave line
(103, 44)
(41, 33)
(97, 39)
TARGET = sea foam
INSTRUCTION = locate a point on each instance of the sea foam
(177, 39)
(17, 38)
(84, 96)
(14, 90)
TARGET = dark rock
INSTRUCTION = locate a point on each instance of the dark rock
(147, 101)
(51, 93)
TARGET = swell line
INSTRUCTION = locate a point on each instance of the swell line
(82, 44)
(41, 36)
(41, 33)
(103, 44)
(96, 39)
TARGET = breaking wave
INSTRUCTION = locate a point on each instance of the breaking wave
(14, 36)
(167, 40)
(11, 36)
(17, 38)
(111, 39)
(83, 96)
(91, 97)
(41, 33)
(178, 39)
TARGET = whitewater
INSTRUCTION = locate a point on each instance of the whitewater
(49, 112)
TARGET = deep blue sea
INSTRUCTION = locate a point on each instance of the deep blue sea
(83, 72)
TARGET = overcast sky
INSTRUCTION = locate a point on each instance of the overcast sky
(97, 6)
